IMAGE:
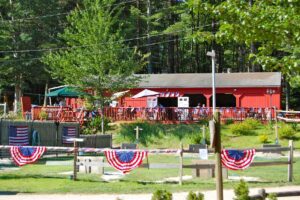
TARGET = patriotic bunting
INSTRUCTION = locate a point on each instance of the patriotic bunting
(125, 161)
(26, 155)
(236, 159)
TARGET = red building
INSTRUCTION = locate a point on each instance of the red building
(248, 90)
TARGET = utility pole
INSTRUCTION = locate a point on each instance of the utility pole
(217, 133)
(212, 54)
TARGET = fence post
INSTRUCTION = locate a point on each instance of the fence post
(218, 168)
(290, 160)
(75, 161)
(181, 164)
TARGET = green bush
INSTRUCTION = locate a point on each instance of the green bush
(264, 138)
(228, 121)
(196, 138)
(241, 129)
(286, 131)
(252, 123)
(162, 195)
(94, 126)
(194, 196)
(272, 196)
(241, 191)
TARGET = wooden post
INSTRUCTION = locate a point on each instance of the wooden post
(290, 160)
(75, 161)
(276, 126)
(219, 178)
(181, 164)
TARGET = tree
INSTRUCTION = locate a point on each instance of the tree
(23, 33)
(96, 56)
(274, 26)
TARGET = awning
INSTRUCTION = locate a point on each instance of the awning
(145, 93)
(66, 92)
(118, 94)
(170, 94)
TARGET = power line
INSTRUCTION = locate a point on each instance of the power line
(102, 43)
(152, 44)
(58, 14)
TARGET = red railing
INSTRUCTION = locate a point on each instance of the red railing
(170, 114)
(186, 114)
(56, 113)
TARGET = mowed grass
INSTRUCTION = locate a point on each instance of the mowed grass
(41, 178)
(170, 135)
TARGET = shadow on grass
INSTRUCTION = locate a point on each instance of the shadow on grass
(8, 193)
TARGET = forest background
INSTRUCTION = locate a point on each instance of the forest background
(173, 35)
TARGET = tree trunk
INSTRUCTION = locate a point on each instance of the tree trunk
(287, 95)
(149, 66)
(17, 95)
(102, 117)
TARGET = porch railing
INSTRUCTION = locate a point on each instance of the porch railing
(187, 114)
(171, 114)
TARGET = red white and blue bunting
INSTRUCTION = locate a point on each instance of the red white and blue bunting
(237, 159)
(170, 94)
(26, 155)
(125, 161)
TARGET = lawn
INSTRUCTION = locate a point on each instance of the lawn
(41, 178)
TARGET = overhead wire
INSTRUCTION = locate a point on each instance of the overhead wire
(102, 43)
(57, 14)
(151, 44)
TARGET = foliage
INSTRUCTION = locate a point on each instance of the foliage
(161, 195)
(241, 191)
(286, 131)
(105, 64)
(94, 126)
(272, 196)
(228, 121)
(194, 196)
(43, 115)
(241, 129)
(252, 123)
(257, 25)
(196, 138)
(264, 138)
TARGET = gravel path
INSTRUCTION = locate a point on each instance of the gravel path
(209, 195)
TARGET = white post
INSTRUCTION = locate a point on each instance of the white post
(212, 54)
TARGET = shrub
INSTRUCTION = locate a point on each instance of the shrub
(286, 131)
(196, 139)
(43, 115)
(252, 123)
(264, 138)
(94, 126)
(229, 121)
(272, 196)
(241, 191)
(194, 196)
(161, 195)
(241, 129)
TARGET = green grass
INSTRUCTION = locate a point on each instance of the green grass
(170, 135)
(41, 178)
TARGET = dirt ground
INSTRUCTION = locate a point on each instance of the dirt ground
(209, 195)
